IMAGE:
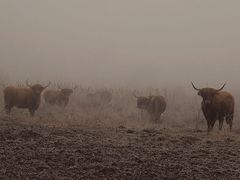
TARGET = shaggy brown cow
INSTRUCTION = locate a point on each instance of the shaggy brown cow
(216, 105)
(58, 97)
(154, 105)
(19, 97)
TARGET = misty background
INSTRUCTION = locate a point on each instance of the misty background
(132, 43)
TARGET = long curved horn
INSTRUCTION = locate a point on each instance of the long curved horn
(28, 84)
(195, 87)
(222, 87)
(134, 94)
(47, 85)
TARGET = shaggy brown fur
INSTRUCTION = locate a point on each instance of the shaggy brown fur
(58, 97)
(154, 105)
(19, 97)
(217, 105)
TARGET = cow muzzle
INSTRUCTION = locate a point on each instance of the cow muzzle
(207, 102)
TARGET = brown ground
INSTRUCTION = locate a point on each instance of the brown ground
(35, 151)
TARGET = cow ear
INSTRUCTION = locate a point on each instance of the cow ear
(217, 91)
(199, 93)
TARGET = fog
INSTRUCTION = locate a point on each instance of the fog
(130, 43)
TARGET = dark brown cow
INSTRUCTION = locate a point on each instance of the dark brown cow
(20, 97)
(154, 105)
(58, 97)
(216, 105)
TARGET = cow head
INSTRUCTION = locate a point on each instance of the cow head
(37, 88)
(66, 92)
(142, 102)
(207, 94)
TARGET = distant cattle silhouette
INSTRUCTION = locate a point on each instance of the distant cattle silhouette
(58, 97)
(154, 105)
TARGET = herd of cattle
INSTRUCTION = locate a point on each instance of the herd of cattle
(216, 104)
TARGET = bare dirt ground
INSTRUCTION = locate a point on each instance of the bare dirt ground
(35, 151)
(116, 143)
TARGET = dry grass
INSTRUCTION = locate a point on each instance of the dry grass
(183, 111)
(113, 142)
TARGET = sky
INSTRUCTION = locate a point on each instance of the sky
(134, 43)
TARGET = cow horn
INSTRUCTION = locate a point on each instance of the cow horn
(195, 87)
(134, 94)
(47, 85)
(222, 87)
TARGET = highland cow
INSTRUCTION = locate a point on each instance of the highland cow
(154, 105)
(216, 105)
(20, 97)
(58, 97)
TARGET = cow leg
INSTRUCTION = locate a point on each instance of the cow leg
(65, 103)
(32, 112)
(220, 123)
(157, 118)
(208, 125)
(207, 118)
(229, 120)
(8, 109)
(210, 128)
(211, 125)
(230, 124)
(154, 117)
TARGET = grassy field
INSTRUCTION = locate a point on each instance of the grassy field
(114, 142)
